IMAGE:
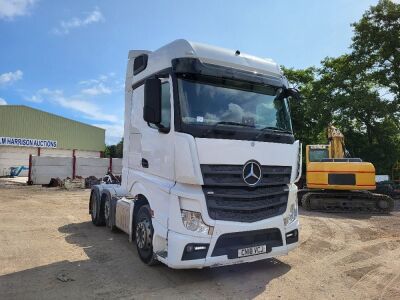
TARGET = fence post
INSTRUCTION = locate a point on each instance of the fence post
(73, 167)
(110, 166)
(29, 182)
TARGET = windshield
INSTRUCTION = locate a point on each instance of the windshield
(229, 102)
(318, 154)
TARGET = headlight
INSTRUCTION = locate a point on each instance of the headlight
(292, 214)
(194, 222)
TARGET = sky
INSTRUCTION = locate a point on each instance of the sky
(69, 57)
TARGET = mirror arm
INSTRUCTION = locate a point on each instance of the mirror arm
(163, 129)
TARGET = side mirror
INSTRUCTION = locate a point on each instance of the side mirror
(152, 101)
(294, 93)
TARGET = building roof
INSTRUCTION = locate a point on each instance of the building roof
(26, 122)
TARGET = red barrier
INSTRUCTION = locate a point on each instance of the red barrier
(29, 182)
(73, 166)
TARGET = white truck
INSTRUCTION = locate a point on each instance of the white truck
(209, 160)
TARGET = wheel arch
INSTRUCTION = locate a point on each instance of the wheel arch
(141, 194)
(139, 202)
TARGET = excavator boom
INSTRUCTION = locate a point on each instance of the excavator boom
(336, 142)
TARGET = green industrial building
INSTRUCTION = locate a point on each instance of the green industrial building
(27, 131)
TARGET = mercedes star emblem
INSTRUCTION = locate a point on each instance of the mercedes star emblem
(252, 173)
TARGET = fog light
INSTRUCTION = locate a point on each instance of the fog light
(197, 248)
(194, 222)
(292, 237)
(195, 251)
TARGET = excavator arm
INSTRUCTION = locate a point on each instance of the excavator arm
(336, 142)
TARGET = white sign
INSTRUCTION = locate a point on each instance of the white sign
(24, 142)
(380, 178)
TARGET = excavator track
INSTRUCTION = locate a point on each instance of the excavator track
(347, 201)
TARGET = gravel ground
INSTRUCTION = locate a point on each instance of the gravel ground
(50, 250)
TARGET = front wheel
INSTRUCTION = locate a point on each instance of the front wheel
(144, 232)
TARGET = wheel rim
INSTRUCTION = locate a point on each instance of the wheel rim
(143, 235)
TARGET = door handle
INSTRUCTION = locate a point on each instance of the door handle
(145, 163)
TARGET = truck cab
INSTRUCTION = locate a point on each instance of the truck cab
(210, 161)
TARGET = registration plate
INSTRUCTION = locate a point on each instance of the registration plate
(252, 251)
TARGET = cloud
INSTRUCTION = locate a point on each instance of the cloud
(114, 132)
(14, 8)
(3, 102)
(88, 109)
(34, 99)
(102, 85)
(101, 78)
(83, 101)
(96, 90)
(65, 26)
(10, 77)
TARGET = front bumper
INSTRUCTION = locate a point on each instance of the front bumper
(178, 241)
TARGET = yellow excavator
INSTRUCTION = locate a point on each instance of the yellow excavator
(336, 182)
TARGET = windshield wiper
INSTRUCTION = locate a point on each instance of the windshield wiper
(214, 126)
(232, 123)
(272, 128)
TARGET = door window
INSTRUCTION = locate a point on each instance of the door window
(165, 107)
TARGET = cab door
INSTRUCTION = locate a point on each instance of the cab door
(157, 145)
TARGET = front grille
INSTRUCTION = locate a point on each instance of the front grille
(229, 198)
(229, 244)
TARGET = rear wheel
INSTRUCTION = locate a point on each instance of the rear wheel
(96, 210)
(107, 213)
(144, 235)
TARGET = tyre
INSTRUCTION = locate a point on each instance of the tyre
(96, 209)
(108, 213)
(144, 235)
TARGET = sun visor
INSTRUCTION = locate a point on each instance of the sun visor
(195, 66)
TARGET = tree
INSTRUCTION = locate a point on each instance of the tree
(115, 151)
(366, 118)
(358, 92)
(376, 46)
(307, 114)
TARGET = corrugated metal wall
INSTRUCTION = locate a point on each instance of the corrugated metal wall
(25, 122)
